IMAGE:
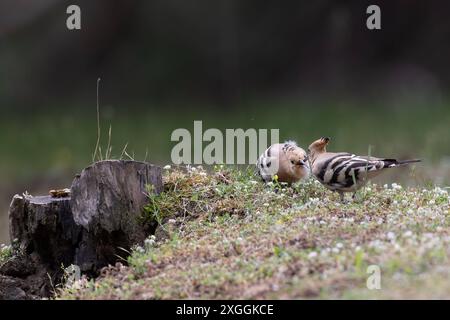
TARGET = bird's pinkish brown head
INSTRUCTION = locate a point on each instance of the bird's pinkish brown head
(318, 147)
(298, 163)
(297, 157)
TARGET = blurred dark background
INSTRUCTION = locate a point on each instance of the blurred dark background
(220, 51)
(309, 68)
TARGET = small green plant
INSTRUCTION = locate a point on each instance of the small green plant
(99, 131)
(98, 152)
(279, 251)
(159, 206)
(5, 253)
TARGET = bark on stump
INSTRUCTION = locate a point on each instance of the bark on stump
(107, 201)
(44, 226)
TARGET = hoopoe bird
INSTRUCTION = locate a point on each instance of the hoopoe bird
(346, 172)
(286, 160)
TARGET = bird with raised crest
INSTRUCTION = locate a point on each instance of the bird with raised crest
(346, 172)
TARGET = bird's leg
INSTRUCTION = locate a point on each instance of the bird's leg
(341, 195)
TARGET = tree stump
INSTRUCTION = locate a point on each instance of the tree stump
(44, 226)
(107, 201)
(90, 228)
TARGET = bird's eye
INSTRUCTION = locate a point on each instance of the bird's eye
(292, 161)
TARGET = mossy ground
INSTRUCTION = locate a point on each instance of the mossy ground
(225, 235)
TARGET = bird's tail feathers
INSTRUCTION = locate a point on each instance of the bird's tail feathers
(389, 163)
(408, 161)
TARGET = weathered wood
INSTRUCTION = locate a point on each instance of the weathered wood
(45, 237)
(107, 201)
(44, 226)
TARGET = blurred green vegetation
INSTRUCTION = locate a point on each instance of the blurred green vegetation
(41, 148)
(62, 139)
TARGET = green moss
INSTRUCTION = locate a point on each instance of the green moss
(5, 253)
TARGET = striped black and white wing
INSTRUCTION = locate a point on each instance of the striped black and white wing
(344, 170)
(267, 164)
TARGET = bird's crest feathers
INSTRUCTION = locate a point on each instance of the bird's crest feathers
(291, 142)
